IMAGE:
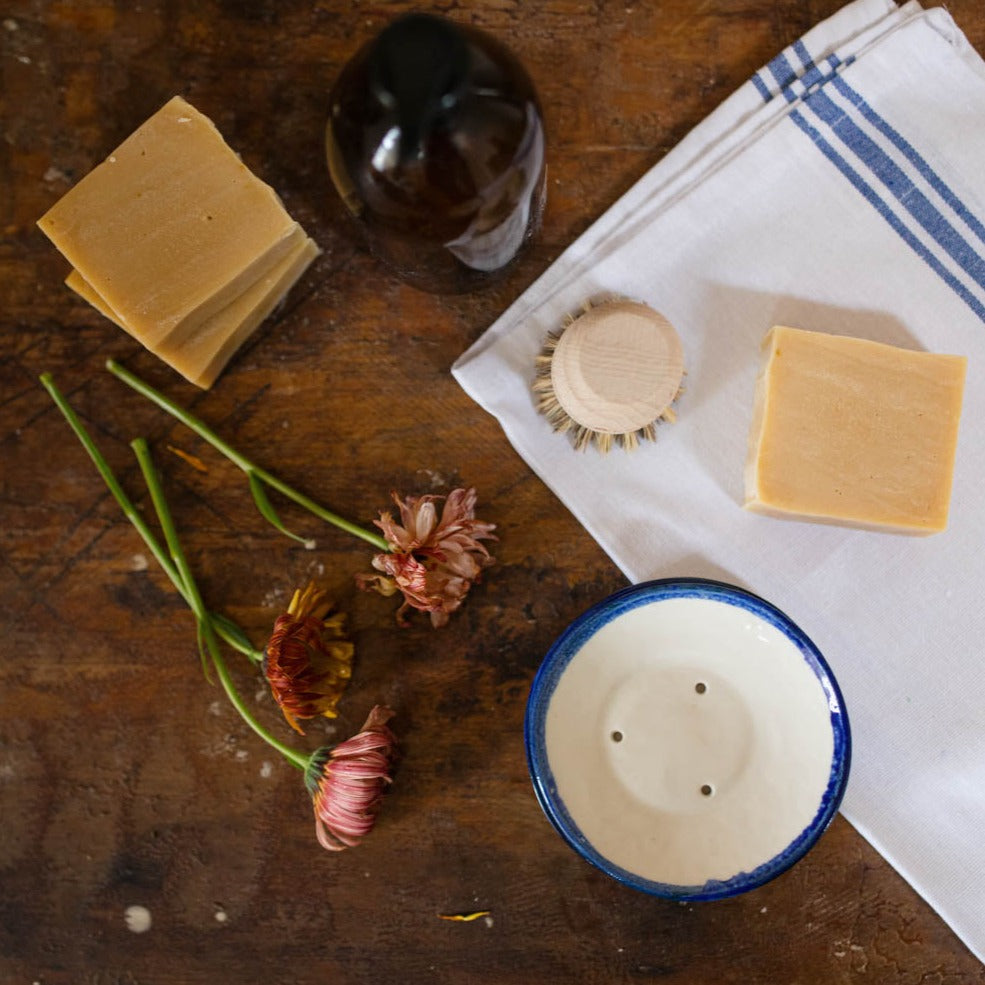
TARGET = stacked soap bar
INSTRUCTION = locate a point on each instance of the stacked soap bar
(174, 239)
(855, 432)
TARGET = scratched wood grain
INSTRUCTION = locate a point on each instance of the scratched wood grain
(125, 779)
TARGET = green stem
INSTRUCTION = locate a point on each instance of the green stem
(241, 461)
(226, 629)
(198, 606)
(327, 515)
(300, 760)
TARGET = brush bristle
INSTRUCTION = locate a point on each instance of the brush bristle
(562, 422)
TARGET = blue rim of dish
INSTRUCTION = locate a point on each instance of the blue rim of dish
(587, 625)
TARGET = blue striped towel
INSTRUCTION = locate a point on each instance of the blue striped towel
(841, 189)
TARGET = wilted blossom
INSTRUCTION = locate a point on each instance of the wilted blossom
(308, 661)
(346, 782)
(433, 562)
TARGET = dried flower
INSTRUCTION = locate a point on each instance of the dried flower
(432, 562)
(346, 782)
(308, 661)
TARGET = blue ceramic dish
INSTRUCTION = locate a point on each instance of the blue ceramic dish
(765, 621)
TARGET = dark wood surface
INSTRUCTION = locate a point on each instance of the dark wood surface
(126, 779)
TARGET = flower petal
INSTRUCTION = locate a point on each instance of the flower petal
(308, 661)
(432, 562)
(348, 782)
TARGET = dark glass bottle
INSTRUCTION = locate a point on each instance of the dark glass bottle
(436, 144)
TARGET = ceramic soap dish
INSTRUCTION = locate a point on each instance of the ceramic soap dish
(686, 737)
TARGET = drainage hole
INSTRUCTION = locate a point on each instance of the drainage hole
(616, 736)
(707, 790)
(701, 687)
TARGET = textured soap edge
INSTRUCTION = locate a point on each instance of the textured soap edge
(293, 267)
(78, 283)
(760, 403)
(765, 509)
(282, 286)
(951, 460)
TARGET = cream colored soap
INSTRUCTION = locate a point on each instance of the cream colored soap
(854, 432)
(172, 226)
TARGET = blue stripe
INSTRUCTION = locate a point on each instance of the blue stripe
(812, 77)
(800, 50)
(914, 157)
(859, 183)
(783, 72)
(884, 168)
(897, 182)
(812, 73)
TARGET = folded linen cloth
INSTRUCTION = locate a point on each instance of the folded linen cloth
(842, 189)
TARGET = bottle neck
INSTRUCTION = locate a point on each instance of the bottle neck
(418, 71)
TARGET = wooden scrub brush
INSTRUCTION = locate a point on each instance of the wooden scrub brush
(610, 374)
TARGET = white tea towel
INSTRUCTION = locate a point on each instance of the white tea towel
(842, 189)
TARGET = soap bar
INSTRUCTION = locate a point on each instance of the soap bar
(201, 355)
(172, 226)
(202, 358)
(187, 330)
(854, 432)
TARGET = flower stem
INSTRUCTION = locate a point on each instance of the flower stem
(198, 606)
(239, 460)
(226, 628)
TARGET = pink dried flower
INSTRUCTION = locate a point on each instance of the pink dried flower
(432, 562)
(346, 782)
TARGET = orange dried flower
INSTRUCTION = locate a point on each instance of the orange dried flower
(308, 661)
(433, 562)
(347, 781)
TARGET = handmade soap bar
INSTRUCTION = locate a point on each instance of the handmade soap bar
(854, 432)
(202, 355)
(186, 331)
(202, 358)
(174, 240)
(172, 226)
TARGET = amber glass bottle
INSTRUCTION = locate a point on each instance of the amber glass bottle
(435, 142)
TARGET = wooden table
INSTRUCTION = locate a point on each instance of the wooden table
(125, 778)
